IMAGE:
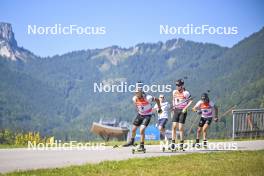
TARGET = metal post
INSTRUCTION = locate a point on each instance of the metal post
(233, 135)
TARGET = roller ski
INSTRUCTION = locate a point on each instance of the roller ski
(130, 143)
(163, 149)
(140, 149)
(198, 145)
(177, 147)
(165, 145)
(205, 144)
(171, 147)
(124, 145)
(181, 147)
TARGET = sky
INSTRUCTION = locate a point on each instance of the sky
(127, 23)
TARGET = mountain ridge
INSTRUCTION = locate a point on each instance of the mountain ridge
(9, 47)
(65, 104)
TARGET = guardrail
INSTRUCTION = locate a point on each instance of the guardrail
(248, 123)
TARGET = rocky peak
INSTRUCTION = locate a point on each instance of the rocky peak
(8, 44)
(7, 35)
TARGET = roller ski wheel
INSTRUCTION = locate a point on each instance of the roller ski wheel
(181, 149)
(163, 149)
(173, 148)
(205, 147)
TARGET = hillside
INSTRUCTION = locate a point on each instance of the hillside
(55, 95)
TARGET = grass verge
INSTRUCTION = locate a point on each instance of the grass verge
(216, 163)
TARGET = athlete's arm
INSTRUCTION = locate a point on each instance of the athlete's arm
(134, 99)
(158, 103)
(196, 106)
(194, 109)
(173, 105)
(155, 108)
(169, 107)
(189, 102)
(216, 113)
(173, 101)
(187, 106)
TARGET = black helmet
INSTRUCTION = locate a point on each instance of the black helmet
(139, 86)
(180, 82)
(205, 97)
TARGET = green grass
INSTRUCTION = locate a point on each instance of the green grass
(8, 146)
(217, 163)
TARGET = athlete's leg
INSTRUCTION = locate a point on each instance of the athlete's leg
(175, 121)
(173, 131)
(199, 130)
(162, 132)
(137, 122)
(161, 129)
(143, 126)
(197, 141)
(134, 130)
(205, 127)
(181, 130)
(173, 135)
(182, 118)
(142, 137)
(132, 139)
(142, 133)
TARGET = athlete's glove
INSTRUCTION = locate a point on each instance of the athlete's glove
(216, 119)
(160, 111)
(199, 112)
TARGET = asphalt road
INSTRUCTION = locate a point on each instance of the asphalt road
(26, 159)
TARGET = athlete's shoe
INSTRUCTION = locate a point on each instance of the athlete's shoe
(196, 145)
(205, 144)
(130, 143)
(141, 148)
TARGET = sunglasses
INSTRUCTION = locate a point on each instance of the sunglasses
(161, 97)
